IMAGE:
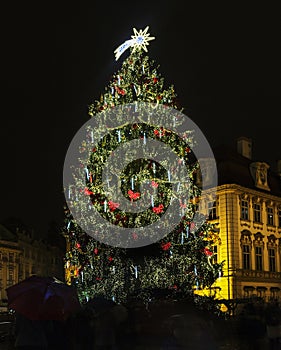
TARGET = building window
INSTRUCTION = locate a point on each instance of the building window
(272, 259)
(258, 252)
(261, 292)
(274, 293)
(270, 216)
(10, 275)
(257, 212)
(244, 210)
(246, 256)
(279, 217)
(212, 210)
(215, 254)
(248, 291)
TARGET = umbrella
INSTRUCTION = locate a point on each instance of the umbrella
(39, 298)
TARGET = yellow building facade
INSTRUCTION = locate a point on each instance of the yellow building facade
(9, 261)
(245, 209)
(21, 255)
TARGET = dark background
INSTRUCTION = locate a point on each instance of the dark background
(223, 61)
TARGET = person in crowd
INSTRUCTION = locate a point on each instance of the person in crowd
(250, 328)
(273, 325)
(80, 331)
(29, 334)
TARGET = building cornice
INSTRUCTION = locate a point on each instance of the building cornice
(242, 189)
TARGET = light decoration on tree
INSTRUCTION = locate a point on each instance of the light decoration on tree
(184, 257)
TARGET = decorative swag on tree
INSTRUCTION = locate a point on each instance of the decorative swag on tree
(182, 259)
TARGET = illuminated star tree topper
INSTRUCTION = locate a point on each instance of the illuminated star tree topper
(140, 39)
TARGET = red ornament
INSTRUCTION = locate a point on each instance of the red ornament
(120, 91)
(78, 245)
(160, 132)
(133, 195)
(166, 246)
(155, 80)
(207, 252)
(159, 209)
(96, 251)
(110, 258)
(87, 191)
(112, 205)
(154, 184)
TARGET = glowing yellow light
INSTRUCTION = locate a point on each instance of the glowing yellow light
(140, 40)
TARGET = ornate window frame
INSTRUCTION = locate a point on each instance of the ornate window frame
(272, 244)
(244, 209)
(257, 201)
(259, 173)
(212, 208)
(279, 216)
(246, 240)
(274, 293)
(270, 214)
(259, 251)
(261, 291)
(248, 291)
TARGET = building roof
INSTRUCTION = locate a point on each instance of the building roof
(233, 168)
(6, 235)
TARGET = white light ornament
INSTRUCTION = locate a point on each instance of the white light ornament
(140, 39)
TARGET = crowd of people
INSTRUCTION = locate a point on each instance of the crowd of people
(95, 326)
(102, 324)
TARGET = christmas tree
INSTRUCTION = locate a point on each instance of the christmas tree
(135, 244)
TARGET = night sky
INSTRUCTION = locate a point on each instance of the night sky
(224, 63)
